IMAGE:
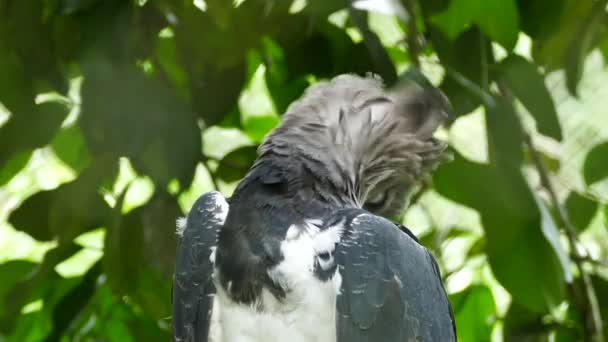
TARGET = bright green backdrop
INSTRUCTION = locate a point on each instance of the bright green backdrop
(116, 115)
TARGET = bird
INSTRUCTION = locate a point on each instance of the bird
(304, 250)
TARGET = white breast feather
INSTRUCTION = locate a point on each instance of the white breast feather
(306, 314)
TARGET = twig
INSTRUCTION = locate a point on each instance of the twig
(595, 262)
(594, 327)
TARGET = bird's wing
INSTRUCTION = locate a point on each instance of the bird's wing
(192, 283)
(391, 288)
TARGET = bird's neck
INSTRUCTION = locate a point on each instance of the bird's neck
(306, 178)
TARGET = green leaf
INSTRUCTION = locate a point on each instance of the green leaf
(32, 286)
(498, 19)
(540, 19)
(581, 210)
(68, 211)
(71, 304)
(166, 52)
(124, 113)
(70, 146)
(13, 166)
(593, 29)
(528, 85)
(12, 272)
(217, 58)
(595, 167)
(474, 311)
(550, 50)
(464, 56)
(123, 249)
(604, 49)
(523, 257)
(26, 30)
(19, 135)
(235, 164)
(606, 216)
(505, 134)
(257, 127)
(521, 324)
(32, 216)
(32, 327)
(600, 286)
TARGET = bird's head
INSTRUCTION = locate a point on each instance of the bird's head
(362, 145)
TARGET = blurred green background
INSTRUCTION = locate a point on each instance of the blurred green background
(116, 115)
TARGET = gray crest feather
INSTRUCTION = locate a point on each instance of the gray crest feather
(360, 138)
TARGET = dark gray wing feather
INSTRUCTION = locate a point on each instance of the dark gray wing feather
(192, 283)
(391, 288)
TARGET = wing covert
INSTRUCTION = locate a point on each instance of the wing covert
(391, 288)
(192, 282)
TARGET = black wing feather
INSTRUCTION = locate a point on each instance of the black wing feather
(192, 284)
(391, 289)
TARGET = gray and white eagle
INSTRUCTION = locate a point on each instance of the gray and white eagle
(301, 251)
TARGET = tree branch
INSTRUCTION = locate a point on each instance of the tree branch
(590, 310)
(594, 326)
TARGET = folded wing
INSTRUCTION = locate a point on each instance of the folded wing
(192, 283)
(391, 288)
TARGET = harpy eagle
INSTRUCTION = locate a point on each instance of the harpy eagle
(301, 252)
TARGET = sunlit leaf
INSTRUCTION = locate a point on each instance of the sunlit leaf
(389, 7)
(498, 19)
(474, 311)
(258, 126)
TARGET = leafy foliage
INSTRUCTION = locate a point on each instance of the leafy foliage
(147, 103)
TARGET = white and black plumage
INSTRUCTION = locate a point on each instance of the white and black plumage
(293, 255)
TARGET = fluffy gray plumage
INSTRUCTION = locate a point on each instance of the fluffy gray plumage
(345, 145)
(366, 146)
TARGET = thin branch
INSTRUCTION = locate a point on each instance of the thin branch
(594, 327)
(588, 259)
